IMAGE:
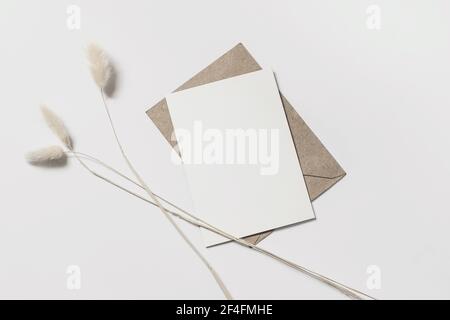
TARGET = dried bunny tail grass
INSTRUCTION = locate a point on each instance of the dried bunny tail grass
(100, 65)
(45, 155)
(57, 126)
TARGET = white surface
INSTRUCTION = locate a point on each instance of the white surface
(378, 99)
(246, 198)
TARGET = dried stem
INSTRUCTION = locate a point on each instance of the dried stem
(350, 292)
(163, 210)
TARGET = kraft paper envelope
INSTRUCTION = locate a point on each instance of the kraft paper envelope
(320, 169)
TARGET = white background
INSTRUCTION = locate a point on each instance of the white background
(378, 99)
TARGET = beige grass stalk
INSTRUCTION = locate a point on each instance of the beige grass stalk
(163, 209)
(101, 70)
(192, 219)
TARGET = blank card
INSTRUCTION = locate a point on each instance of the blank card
(239, 157)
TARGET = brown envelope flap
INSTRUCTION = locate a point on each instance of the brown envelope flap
(315, 159)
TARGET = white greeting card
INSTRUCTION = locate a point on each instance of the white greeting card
(240, 161)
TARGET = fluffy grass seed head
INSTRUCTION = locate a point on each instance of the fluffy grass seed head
(45, 155)
(100, 65)
(57, 126)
